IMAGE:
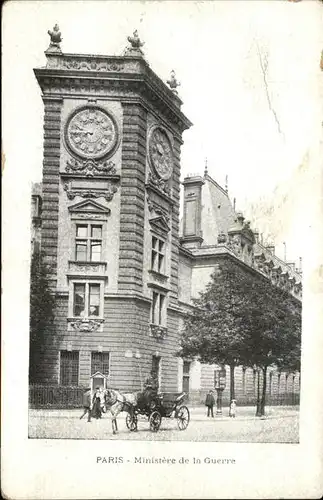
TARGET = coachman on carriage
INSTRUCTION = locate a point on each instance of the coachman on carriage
(148, 403)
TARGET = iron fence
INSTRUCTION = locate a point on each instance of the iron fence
(284, 399)
(55, 396)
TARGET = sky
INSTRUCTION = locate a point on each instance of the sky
(250, 83)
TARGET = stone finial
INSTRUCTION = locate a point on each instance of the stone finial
(205, 168)
(55, 39)
(173, 82)
(135, 45)
(240, 218)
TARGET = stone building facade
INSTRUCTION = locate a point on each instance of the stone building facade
(122, 272)
(212, 231)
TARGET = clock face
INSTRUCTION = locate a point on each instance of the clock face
(160, 152)
(91, 133)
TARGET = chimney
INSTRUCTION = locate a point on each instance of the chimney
(256, 234)
(240, 218)
(271, 249)
(192, 232)
(291, 265)
(300, 264)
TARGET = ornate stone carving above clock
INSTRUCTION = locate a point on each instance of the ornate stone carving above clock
(90, 168)
(91, 133)
(160, 153)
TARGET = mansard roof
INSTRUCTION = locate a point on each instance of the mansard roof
(218, 213)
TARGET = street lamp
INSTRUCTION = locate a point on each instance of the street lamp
(219, 386)
(137, 355)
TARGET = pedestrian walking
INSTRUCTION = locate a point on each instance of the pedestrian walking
(102, 400)
(97, 403)
(232, 408)
(209, 402)
(87, 405)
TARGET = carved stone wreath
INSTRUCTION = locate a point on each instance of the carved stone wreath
(90, 168)
(158, 331)
(86, 325)
(159, 183)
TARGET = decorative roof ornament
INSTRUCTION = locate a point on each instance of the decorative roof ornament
(55, 39)
(205, 168)
(135, 45)
(173, 82)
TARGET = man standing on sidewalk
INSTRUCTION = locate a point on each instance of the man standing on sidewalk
(209, 402)
(87, 404)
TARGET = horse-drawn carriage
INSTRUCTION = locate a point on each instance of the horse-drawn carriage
(162, 406)
(166, 405)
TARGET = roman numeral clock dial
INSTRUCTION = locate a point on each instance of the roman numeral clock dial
(160, 153)
(91, 133)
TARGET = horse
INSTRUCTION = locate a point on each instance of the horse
(116, 402)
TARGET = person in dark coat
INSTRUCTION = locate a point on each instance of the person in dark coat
(97, 413)
(87, 405)
(209, 402)
(151, 389)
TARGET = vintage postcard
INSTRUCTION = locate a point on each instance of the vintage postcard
(162, 269)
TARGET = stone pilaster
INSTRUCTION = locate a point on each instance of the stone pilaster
(50, 202)
(132, 198)
(175, 221)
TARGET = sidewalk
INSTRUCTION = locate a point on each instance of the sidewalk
(197, 413)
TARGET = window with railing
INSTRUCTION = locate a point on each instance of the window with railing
(100, 362)
(88, 243)
(69, 367)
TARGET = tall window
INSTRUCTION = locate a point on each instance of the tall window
(86, 299)
(158, 309)
(100, 362)
(254, 381)
(158, 255)
(278, 382)
(186, 376)
(88, 242)
(270, 390)
(36, 203)
(244, 369)
(69, 368)
(155, 366)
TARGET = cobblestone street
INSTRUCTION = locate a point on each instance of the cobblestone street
(281, 425)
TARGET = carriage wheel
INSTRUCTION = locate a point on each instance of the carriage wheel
(183, 418)
(131, 422)
(155, 421)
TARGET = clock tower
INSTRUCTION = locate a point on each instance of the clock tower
(110, 217)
